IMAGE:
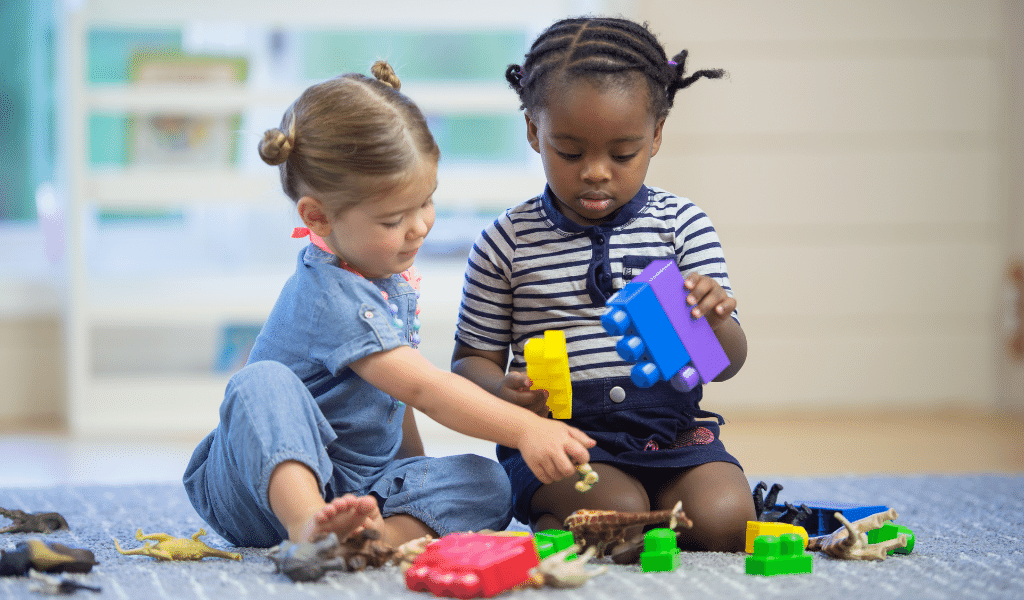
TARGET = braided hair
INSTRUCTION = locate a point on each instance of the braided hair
(602, 49)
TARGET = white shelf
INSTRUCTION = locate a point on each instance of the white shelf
(141, 405)
(199, 300)
(432, 97)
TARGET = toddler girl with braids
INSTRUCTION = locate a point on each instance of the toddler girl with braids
(314, 435)
(596, 92)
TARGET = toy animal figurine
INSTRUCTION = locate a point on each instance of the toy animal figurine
(171, 548)
(48, 557)
(601, 528)
(763, 506)
(53, 585)
(23, 522)
(312, 560)
(557, 572)
(851, 541)
(588, 477)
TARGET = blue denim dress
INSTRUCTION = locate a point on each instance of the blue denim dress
(297, 399)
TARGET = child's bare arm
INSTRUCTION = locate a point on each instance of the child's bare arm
(487, 369)
(708, 299)
(550, 448)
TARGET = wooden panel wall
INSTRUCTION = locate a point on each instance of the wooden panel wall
(854, 164)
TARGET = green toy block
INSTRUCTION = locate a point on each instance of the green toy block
(550, 541)
(779, 556)
(660, 551)
(889, 531)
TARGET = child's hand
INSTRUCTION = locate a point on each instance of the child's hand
(515, 388)
(552, 449)
(708, 299)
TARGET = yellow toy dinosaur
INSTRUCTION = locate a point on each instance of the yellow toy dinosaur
(171, 548)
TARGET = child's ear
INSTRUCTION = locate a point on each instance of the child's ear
(531, 133)
(657, 137)
(312, 213)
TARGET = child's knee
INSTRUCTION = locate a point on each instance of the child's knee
(721, 525)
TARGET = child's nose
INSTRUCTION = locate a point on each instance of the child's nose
(596, 171)
(420, 228)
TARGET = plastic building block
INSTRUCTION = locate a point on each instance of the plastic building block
(649, 339)
(889, 531)
(659, 335)
(779, 556)
(547, 364)
(822, 520)
(696, 335)
(472, 565)
(757, 528)
(660, 551)
(551, 541)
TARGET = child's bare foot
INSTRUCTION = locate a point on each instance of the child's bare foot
(343, 516)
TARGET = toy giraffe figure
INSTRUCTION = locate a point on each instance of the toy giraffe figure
(171, 548)
(600, 528)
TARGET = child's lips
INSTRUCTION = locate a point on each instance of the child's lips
(595, 203)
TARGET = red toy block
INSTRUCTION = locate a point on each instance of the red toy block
(472, 565)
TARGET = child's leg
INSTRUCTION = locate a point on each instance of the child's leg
(447, 494)
(717, 497)
(296, 501)
(616, 490)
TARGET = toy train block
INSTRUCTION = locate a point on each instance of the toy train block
(472, 565)
(649, 340)
(696, 335)
(547, 365)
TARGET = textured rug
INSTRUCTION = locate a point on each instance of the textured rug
(969, 544)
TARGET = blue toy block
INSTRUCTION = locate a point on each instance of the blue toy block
(822, 520)
(781, 555)
(649, 338)
(696, 335)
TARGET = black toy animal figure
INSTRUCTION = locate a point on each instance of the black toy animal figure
(23, 522)
(792, 514)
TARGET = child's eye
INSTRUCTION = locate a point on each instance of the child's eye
(625, 157)
(568, 155)
(393, 224)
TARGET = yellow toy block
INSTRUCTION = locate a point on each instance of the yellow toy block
(756, 528)
(547, 364)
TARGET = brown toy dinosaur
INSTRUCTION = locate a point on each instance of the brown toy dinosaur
(23, 522)
(602, 528)
(171, 548)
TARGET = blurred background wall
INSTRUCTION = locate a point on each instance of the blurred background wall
(862, 163)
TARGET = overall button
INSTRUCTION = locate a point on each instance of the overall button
(617, 394)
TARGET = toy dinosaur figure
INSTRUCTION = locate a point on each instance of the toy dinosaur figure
(557, 572)
(53, 584)
(793, 515)
(23, 522)
(851, 541)
(311, 561)
(49, 557)
(602, 528)
(171, 548)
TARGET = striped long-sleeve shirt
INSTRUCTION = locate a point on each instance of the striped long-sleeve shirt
(533, 269)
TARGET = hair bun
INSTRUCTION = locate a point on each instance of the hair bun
(275, 147)
(383, 72)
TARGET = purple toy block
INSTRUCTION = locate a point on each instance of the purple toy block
(658, 355)
(668, 284)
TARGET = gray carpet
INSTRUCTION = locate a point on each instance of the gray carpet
(969, 530)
